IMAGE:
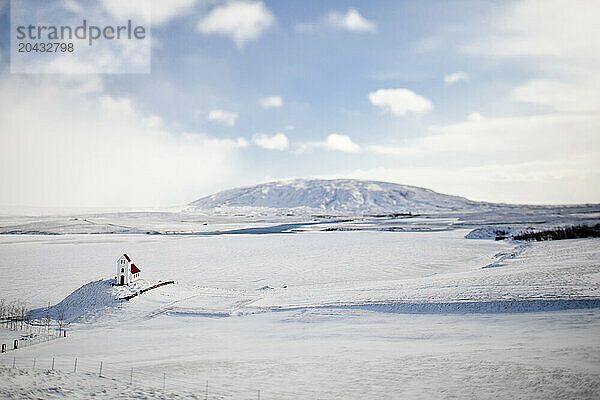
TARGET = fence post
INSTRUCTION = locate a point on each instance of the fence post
(164, 381)
(14, 361)
(100, 375)
(75, 367)
(259, 394)
(131, 377)
(206, 394)
(52, 363)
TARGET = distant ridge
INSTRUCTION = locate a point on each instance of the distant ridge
(334, 196)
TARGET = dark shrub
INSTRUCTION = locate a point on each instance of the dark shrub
(571, 232)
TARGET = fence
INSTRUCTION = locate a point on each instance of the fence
(145, 378)
(139, 292)
(27, 334)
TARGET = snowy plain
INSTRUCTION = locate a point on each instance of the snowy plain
(367, 314)
(306, 204)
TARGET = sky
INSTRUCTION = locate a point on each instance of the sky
(496, 101)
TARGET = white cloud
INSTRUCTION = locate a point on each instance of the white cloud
(242, 21)
(548, 28)
(559, 40)
(399, 101)
(475, 116)
(350, 21)
(334, 142)
(161, 11)
(514, 159)
(539, 137)
(337, 142)
(289, 127)
(455, 77)
(546, 158)
(124, 9)
(271, 102)
(577, 95)
(275, 142)
(223, 117)
(559, 181)
(164, 11)
(120, 107)
(88, 148)
(520, 138)
(72, 6)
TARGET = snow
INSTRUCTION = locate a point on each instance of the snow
(500, 232)
(308, 289)
(90, 300)
(324, 354)
(360, 314)
(7, 336)
(27, 383)
(339, 196)
(486, 221)
(237, 262)
(312, 205)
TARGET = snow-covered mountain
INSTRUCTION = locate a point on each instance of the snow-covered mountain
(336, 196)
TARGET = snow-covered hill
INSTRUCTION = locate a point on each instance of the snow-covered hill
(337, 196)
(89, 301)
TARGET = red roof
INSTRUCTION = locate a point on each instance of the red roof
(134, 269)
(127, 257)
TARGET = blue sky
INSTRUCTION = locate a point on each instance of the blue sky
(494, 101)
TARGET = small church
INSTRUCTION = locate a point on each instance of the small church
(127, 271)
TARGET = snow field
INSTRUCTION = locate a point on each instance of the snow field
(325, 341)
(340, 354)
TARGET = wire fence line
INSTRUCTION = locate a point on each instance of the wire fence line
(146, 377)
(27, 334)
